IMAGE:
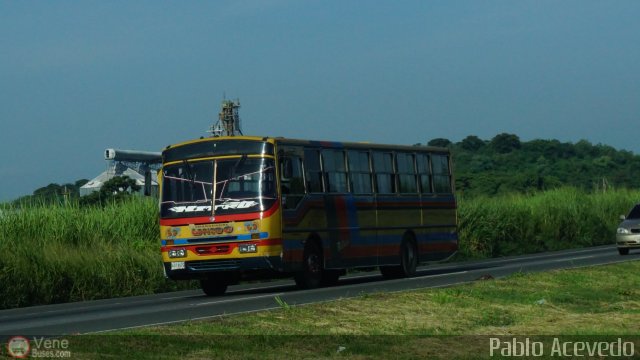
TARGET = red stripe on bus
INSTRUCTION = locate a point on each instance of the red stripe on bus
(216, 246)
(341, 213)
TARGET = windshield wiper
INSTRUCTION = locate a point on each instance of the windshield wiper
(190, 175)
(235, 166)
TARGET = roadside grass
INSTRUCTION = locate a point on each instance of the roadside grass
(65, 252)
(600, 300)
(515, 224)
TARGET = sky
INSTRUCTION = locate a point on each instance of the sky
(77, 77)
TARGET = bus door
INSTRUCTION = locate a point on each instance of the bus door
(293, 203)
(338, 209)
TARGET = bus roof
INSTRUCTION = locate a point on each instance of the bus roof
(359, 145)
(316, 143)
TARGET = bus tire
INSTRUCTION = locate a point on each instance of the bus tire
(408, 257)
(213, 286)
(408, 261)
(310, 276)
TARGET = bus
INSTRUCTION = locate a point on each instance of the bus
(244, 207)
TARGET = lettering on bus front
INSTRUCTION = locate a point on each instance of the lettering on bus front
(225, 206)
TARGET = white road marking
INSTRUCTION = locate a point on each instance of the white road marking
(574, 258)
(239, 299)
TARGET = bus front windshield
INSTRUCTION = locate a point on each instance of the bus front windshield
(241, 185)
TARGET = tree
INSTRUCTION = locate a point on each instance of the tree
(472, 143)
(114, 189)
(505, 143)
(440, 142)
(118, 185)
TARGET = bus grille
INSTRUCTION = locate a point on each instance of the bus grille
(209, 265)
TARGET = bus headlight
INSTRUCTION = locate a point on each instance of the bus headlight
(177, 253)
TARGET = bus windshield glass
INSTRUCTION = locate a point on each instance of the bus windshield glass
(241, 185)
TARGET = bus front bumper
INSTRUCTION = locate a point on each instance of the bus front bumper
(245, 267)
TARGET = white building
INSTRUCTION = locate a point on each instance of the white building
(130, 163)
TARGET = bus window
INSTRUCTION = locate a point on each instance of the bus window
(406, 174)
(335, 170)
(359, 172)
(383, 167)
(291, 181)
(441, 174)
(313, 171)
(424, 173)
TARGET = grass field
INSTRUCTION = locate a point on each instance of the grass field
(552, 220)
(68, 253)
(589, 304)
(62, 253)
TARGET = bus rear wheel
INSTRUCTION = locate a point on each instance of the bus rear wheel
(408, 261)
(310, 277)
(214, 286)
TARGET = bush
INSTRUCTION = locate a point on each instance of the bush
(553, 220)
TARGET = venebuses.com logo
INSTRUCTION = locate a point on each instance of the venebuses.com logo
(18, 347)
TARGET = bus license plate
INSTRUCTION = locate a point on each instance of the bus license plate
(177, 265)
(248, 248)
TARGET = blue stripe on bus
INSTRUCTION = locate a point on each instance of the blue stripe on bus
(352, 217)
(263, 235)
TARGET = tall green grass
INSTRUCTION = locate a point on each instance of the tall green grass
(553, 220)
(61, 253)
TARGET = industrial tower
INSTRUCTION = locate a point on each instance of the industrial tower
(228, 120)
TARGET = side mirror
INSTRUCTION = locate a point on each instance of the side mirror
(622, 217)
(147, 183)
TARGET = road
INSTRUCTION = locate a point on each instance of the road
(137, 311)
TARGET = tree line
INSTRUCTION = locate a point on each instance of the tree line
(505, 164)
(114, 189)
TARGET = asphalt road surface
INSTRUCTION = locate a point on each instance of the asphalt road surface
(137, 311)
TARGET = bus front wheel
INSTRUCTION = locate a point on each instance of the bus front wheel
(310, 276)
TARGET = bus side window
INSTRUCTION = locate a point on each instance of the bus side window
(335, 170)
(313, 171)
(359, 172)
(385, 177)
(441, 173)
(406, 173)
(291, 181)
(424, 173)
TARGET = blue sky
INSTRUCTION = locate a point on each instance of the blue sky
(77, 77)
